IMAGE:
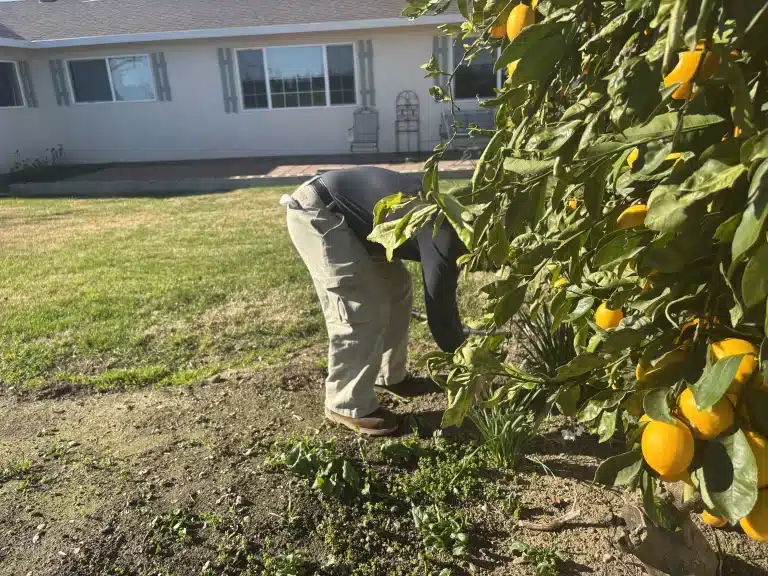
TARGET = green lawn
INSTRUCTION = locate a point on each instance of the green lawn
(131, 292)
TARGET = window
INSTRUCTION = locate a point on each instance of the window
(476, 79)
(10, 88)
(297, 76)
(115, 79)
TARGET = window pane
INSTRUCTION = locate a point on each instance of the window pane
(90, 80)
(132, 78)
(476, 79)
(341, 73)
(10, 91)
(252, 78)
(318, 98)
(293, 73)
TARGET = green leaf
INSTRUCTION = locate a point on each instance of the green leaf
(582, 364)
(727, 230)
(509, 305)
(593, 195)
(582, 308)
(608, 29)
(619, 245)
(568, 399)
(527, 39)
(387, 205)
(752, 225)
(607, 426)
(538, 64)
(457, 214)
(754, 283)
(459, 403)
(656, 405)
(662, 126)
(619, 470)
(729, 476)
(715, 380)
(622, 339)
(526, 167)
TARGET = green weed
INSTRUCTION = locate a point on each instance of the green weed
(178, 526)
(402, 451)
(284, 565)
(329, 472)
(442, 530)
(15, 470)
(544, 560)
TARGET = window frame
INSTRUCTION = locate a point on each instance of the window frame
(23, 104)
(265, 56)
(499, 77)
(71, 83)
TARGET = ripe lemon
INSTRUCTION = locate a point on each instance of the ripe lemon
(712, 520)
(608, 319)
(644, 367)
(633, 156)
(632, 217)
(707, 423)
(573, 204)
(733, 347)
(759, 445)
(686, 67)
(667, 448)
(755, 524)
(499, 28)
(559, 283)
(520, 17)
(645, 418)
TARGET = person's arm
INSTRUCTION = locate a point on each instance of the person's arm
(440, 275)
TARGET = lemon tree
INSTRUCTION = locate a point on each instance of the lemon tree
(625, 189)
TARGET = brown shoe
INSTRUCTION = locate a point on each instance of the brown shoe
(380, 423)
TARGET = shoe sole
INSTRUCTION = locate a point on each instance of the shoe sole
(366, 431)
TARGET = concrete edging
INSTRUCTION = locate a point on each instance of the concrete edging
(97, 189)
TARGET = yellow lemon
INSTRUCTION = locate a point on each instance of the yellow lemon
(710, 423)
(759, 445)
(606, 318)
(686, 67)
(632, 217)
(734, 347)
(712, 520)
(520, 17)
(667, 448)
(755, 524)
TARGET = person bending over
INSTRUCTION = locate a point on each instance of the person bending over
(365, 299)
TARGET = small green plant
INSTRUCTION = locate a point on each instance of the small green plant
(320, 463)
(544, 560)
(235, 555)
(402, 451)
(506, 433)
(284, 565)
(15, 470)
(442, 530)
(177, 526)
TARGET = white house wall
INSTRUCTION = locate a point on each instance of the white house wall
(24, 135)
(195, 125)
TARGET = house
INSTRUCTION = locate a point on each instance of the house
(163, 80)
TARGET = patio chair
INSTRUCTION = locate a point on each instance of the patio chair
(364, 134)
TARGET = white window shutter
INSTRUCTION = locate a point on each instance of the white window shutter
(365, 73)
(160, 73)
(60, 89)
(228, 86)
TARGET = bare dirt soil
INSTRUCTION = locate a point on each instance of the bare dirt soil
(173, 481)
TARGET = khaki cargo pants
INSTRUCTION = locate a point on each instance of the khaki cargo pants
(366, 302)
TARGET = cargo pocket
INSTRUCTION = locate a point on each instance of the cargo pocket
(350, 303)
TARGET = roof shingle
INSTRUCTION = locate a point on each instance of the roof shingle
(66, 19)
